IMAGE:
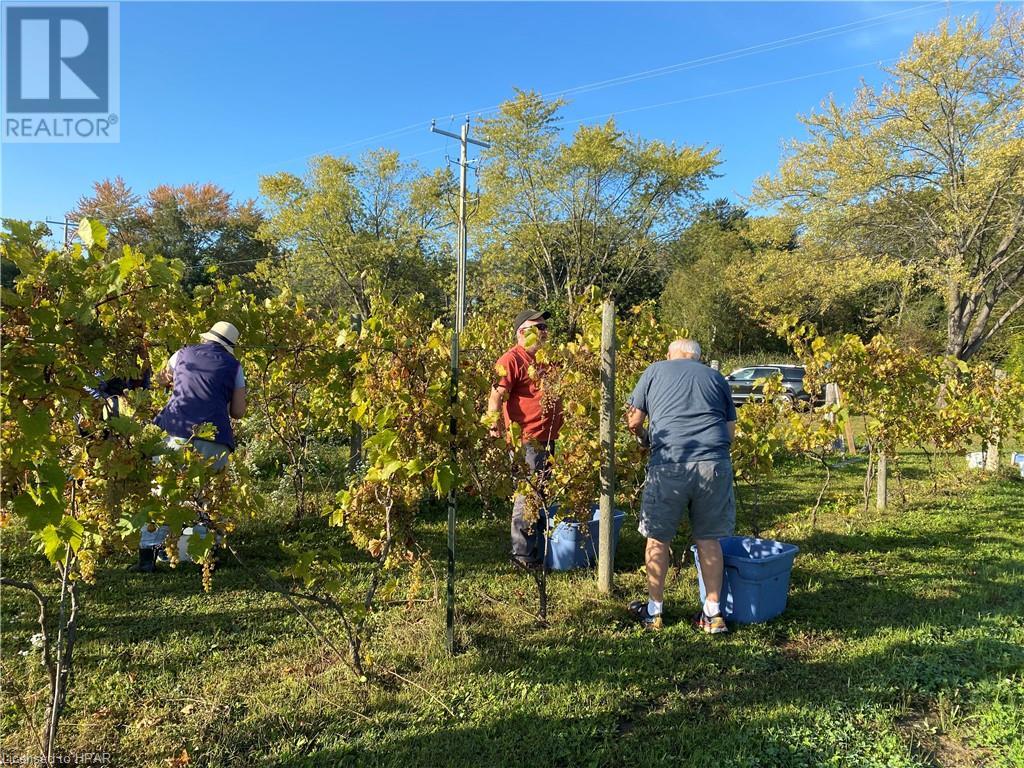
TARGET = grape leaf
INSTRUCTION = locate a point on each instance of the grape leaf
(38, 515)
(444, 479)
(391, 467)
(92, 233)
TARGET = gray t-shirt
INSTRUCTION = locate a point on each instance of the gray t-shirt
(688, 405)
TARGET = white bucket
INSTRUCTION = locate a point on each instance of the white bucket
(199, 530)
(1018, 460)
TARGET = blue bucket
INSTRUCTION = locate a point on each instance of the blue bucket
(574, 545)
(755, 585)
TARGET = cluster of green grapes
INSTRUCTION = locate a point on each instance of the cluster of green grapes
(208, 563)
(171, 550)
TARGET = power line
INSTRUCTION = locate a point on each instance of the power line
(67, 224)
(386, 134)
(732, 90)
(719, 58)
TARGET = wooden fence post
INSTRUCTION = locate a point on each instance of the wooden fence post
(606, 531)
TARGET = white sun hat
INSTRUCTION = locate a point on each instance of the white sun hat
(224, 334)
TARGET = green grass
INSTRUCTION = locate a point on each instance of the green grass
(903, 645)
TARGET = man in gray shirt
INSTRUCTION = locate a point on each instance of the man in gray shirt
(692, 422)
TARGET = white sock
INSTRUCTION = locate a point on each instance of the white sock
(654, 607)
(711, 608)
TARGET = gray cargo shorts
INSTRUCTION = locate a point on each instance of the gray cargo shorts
(703, 489)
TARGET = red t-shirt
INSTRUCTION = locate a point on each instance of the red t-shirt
(524, 404)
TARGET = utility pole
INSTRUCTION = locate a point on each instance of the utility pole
(460, 321)
(66, 224)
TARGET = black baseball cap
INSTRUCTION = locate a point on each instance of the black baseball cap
(527, 315)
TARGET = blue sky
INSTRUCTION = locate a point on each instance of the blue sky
(225, 92)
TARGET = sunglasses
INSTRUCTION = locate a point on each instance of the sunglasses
(538, 326)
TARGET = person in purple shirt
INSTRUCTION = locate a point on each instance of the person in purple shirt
(691, 426)
(207, 387)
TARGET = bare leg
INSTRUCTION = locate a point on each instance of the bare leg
(710, 553)
(657, 566)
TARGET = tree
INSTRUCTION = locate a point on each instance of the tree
(928, 170)
(202, 226)
(115, 204)
(198, 224)
(739, 276)
(598, 210)
(785, 275)
(1014, 363)
(353, 229)
(697, 295)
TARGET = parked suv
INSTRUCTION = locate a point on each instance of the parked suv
(741, 383)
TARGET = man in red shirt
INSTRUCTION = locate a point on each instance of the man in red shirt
(520, 389)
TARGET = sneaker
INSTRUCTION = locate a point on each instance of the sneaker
(713, 625)
(638, 612)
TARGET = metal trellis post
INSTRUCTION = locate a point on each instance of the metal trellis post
(606, 550)
(460, 320)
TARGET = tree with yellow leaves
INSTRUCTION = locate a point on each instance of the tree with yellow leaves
(928, 171)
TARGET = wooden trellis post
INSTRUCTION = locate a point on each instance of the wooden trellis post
(882, 490)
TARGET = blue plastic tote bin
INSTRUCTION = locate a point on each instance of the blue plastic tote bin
(570, 546)
(755, 585)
